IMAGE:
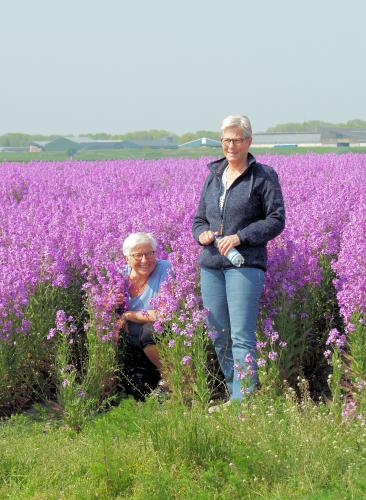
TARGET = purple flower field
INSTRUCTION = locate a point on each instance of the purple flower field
(58, 219)
(73, 215)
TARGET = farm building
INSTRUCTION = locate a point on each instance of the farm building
(163, 143)
(61, 144)
(281, 140)
(343, 136)
(328, 136)
(86, 143)
(12, 149)
(203, 142)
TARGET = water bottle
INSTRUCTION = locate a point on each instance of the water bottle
(233, 255)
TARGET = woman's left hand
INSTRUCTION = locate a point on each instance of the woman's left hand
(226, 243)
(120, 324)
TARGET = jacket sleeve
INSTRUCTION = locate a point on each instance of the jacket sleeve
(200, 223)
(273, 223)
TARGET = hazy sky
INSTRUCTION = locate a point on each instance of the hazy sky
(75, 66)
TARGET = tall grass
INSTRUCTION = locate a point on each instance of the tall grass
(273, 448)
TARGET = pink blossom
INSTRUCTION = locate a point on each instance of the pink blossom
(249, 358)
(186, 360)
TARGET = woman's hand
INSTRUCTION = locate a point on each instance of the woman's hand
(206, 238)
(143, 316)
(226, 243)
(119, 299)
(120, 324)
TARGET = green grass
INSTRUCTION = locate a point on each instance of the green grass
(151, 154)
(272, 449)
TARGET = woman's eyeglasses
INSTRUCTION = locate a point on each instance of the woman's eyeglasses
(139, 256)
(236, 142)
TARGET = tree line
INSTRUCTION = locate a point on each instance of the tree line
(22, 140)
(315, 126)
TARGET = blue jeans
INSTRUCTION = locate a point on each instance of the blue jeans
(232, 298)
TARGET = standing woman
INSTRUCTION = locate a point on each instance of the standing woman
(241, 207)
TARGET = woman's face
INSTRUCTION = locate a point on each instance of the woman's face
(235, 150)
(142, 259)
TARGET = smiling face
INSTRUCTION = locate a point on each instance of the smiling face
(142, 260)
(235, 145)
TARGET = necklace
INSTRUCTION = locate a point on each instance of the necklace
(137, 288)
(229, 179)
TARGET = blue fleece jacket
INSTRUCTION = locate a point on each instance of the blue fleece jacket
(253, 209)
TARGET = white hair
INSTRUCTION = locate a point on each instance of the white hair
(135, 239)
(240, 121)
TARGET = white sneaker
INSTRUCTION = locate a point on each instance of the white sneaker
(220, 407)
(162, 391)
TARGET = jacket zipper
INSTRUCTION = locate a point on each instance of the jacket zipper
(222, 212)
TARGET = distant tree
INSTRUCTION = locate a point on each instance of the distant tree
(149, 134)
(314, 126)
(356, 123)
(14, 139)
(99, 136)
(18, 139)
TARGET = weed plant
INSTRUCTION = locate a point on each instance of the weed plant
(27, 364)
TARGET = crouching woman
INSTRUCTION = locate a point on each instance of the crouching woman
(145, 274)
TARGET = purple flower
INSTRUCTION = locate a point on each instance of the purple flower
(249, 358)
(171, 343)
(175, 328)
(26, 325)
(186, 360)
(61, 320)
(273, 355)
(261, 345)
(340, 341)
(212, 334)
(261, 362)
(52, 332)
(333, 336)
(349, 411)
(250, 371)
(65, 383)
(274, 336)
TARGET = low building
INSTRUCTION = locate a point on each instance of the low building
(202, 142)
(58, 144)
(279, 139)
(86, 143)
(343, 137)
(13, 149)
(162, 143)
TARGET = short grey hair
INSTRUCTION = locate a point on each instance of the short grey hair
(135, 239)
(240, 121)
